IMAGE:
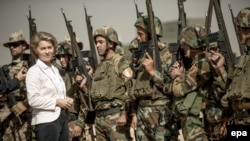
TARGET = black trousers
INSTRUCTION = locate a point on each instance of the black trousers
(57, 130)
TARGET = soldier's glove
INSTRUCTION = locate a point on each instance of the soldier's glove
(18, 108)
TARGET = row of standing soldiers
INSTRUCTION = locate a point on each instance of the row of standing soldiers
(135, 101)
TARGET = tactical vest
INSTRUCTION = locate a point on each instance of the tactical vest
(14, 68)
(239, 87)
(144, 87)
(107, 83)
(192, 102)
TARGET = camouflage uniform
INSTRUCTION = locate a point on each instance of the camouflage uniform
(238, 96)
(191, 88)
(68, 75)
(109, 92)
(13, 128)
(153, 112)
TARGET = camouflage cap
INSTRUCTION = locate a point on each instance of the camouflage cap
(243, 18)
(133, 44)
(194, 36)
(143, 22)
(107, 32)
(16, 37)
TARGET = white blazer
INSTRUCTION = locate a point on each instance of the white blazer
(42, 93)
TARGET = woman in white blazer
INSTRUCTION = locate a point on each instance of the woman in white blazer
(46, 91)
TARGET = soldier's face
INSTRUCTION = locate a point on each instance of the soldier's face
(101, 45)
(16, 49)
(142, 35)
(64, 60)
(45, 52)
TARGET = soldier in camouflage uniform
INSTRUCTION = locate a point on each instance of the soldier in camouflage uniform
(238, 96)
(189, 86)
(110, 89)
(64, 55)
(17, 125)
(154, 108)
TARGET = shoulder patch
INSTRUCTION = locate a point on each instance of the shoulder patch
(128, 72)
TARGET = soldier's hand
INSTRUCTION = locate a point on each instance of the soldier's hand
(176, 70)
(133, 123)
(76, 131)
(18, 108)
(217, 58)
(223, 129)
(90, 70)
(21, 75)
(122, 120)
(81, 82)
(148, 64)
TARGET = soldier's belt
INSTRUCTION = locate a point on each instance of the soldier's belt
(152, 103)
(108, 111)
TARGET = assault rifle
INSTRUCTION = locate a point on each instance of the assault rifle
(80, 65)
(92, 56)
(182, 23)
(224, 39)
(32, 28)
(154, 41)
(4, 74)
(241, 47)
(32, 24)
(138, 14)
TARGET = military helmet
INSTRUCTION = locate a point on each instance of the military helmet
(133, 44)
(107, 32)
(143, 22)
(194, 36)
(64, 48)
(243, 18)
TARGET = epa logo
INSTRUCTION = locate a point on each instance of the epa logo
(239, 133)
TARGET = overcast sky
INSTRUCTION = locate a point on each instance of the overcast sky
(120, 14)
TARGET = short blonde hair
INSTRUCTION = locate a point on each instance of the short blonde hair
(42, 36)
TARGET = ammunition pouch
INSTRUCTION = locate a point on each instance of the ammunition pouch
(173, 121)
(191, 104)
(106, 112)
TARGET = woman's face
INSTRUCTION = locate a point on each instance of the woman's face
(45, 51)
